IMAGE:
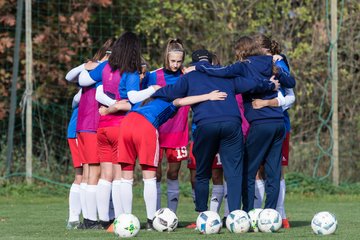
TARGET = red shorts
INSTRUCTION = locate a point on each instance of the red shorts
(192, 162)
(87, 143)
(174, 155)
(285, 150)
(107, 140)
(73, 145)
(138, 138)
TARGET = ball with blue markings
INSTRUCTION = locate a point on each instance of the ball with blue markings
(238, 221)
(269, 220)
(324, 223)
(208, 222)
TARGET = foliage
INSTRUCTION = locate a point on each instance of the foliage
(66, 33)
(299, 183)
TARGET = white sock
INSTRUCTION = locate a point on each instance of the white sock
(226, 205)
(116, 197)
(173, 194)
(74, 203)
(126, 195)
(150, 195)
(259, 193)
(158, 201)
(91, 202)
(82, 194)
(193, 195)
(111, 209)
(217, 196)
(103, 199)
(280, 207)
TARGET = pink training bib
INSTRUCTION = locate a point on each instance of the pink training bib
(111, 81)
(88, 114)
(175, 132)
(245, 124)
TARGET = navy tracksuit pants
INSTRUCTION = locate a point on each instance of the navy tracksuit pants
(227, 139)
(263, 145)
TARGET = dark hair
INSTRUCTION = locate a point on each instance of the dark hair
(245, 47)
(215, 60)
(126, 53)
(173, 45)
(266, 42)
(104, 50)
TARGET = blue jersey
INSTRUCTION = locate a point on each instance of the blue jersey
(96, 74)
(170, 77)
(283, 65)
(129, 82)
(197, 83)
(71, 131)
(157, 111)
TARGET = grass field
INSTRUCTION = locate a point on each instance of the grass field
(34, 216)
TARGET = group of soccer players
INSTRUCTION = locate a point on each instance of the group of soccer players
(123, 113)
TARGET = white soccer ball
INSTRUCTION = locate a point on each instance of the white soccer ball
(126, 225)
(238, 221)
(324, 223)
(165, 220)
(208, 222)
(254, 216)
(269, 220)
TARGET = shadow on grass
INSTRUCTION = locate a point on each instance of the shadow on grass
(184, 224)
(294, 224)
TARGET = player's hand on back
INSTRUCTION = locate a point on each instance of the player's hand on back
(90, 65)
(276, 82)
(103, 110)
(258, 103)
(277, 58)
(156, 87)
(189, 69)
(217, 95)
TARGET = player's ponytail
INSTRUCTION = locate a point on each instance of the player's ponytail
(275, 47)
(104, 50)
(173, 45)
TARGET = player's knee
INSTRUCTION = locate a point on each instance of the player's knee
(108, 176)
(78, 180)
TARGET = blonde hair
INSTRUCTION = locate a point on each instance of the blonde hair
(173, 45)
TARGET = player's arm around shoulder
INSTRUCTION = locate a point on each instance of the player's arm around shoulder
(215, 95)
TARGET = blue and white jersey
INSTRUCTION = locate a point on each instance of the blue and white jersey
(157, 111)
(71, 131)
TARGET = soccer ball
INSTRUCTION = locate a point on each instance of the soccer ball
(126, 225)
(208, 222)
(269, 220)
(324, 223)
(165, 220)
(238, 221)
(254, 215)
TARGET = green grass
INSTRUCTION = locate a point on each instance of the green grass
(43, 216)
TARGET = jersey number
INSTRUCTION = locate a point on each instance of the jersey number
(181, 152)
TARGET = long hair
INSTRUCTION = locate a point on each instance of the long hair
(267, 43)
(215, 60)
(126, 53)
(246, 47)
(104, 50)
(173, 45)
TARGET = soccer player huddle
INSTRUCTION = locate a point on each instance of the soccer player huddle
(123, 113)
